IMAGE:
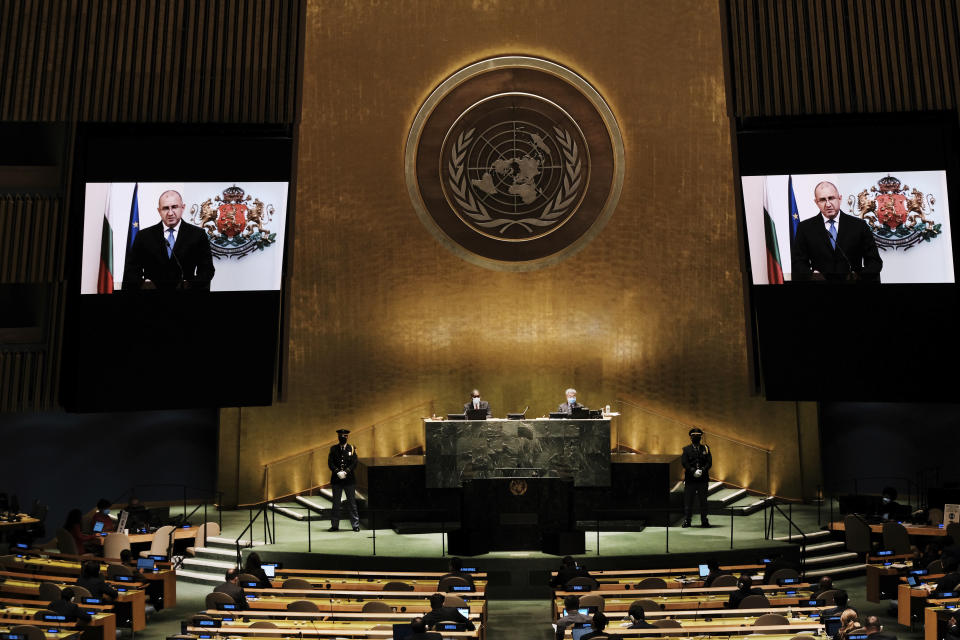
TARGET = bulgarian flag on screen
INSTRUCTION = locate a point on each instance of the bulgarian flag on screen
(105, 274)
(774, 268)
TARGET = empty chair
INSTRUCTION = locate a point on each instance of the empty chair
(580, 581)
(49, 592)
(79, 592)
(803, 636)
(263, 624)
(652, 583)
(666, 623)
(44, 612)
(754, 602)
(895, 538)
(455, 601)
(376, 606)
(591, 600)
(114, 570)
(953, 530)
(396, 585)
(66, 543)
(857, 534)
(829, 597)
(296, 583)
(29, 632)
(935, 516)
(448, 583)
(160, 545)
(114, 543)
(303, 606)
(249, 577)
(204, 531)
(215, 598)
(725, 580)
(783, 574)
(646, 604)
(770, 620)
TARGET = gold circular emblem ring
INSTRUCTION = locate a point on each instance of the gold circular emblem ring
(514, 163)
(518, 487)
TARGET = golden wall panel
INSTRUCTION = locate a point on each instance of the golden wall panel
(386, 322)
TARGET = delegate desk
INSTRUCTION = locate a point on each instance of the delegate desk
(160, 585)
(936, 620)
(320, 627)
(353, 601)
(458, 450)
(883, 576)
(912, 529)
(694, 598)
(342, 630)
(377, 584)
(103, 624)
(785, 632)
(65, 634)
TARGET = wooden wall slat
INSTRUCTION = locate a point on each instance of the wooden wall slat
(843, 56)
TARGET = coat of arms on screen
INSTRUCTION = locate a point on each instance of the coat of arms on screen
(900, 217)
(235, 222)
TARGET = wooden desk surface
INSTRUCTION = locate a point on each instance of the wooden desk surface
(355, 604)
(674, 603)
(73, 634)
(339, 632)
(782, 631)
(912, 529)
(282, 574)
(23, 614)
(931, 616)
(375, 584)
(24, 521)
(280, 616)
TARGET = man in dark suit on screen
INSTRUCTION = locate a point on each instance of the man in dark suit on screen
(171, 254)
(834, 245)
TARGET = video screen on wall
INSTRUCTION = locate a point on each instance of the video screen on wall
(176, 266)
(905, 215)
(226, 236)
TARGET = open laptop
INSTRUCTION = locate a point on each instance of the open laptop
(456, 416)
(146, 564)
(402, 630)
(704, 571)
(476, 414)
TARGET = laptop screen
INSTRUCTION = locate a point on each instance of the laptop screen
(145, 564)
(464, 611)
(98, 526)
(270, 570)
(831, 625)
(704, 571)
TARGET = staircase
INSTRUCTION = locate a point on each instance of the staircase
(824, 556)
(211, 561)
(721, 498)
(318, 506)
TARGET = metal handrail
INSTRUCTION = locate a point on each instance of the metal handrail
(790, 523)
(270, 537)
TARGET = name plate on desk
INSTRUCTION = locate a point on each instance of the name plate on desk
(479, 449)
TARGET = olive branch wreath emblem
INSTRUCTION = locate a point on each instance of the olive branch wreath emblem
(551, 212)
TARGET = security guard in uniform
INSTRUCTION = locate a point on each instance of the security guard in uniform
(342, 460)
(696, 461)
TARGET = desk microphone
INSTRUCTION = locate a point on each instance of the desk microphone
(697, 612)
(851, 274)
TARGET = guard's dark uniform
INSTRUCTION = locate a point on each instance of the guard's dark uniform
(695, 456)
(343, 457)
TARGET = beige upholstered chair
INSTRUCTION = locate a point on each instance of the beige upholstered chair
(160, 545)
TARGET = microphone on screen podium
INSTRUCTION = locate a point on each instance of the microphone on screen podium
(851, 274)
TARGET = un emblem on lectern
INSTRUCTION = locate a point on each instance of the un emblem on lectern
(518, 487)
(514, 163)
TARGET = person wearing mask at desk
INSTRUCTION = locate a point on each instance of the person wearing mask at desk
(342, 460)
(92, 581)
(252, 567)
(66, 607)
(874, 629)
(598, 623)
(103, 515)
(744, 588)
(420, 631)
(571, 403)
(85, 542)
(638, 617)
(696, 461)
(231, 587)
(456, 571)
(440, 613)
(477, 404)
(569, 569)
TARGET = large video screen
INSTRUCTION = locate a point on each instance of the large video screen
(895, 226)
(227, 236)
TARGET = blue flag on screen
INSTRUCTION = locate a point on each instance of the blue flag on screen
(792, 208)
(132, 228)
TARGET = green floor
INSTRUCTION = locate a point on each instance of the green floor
(513, 619)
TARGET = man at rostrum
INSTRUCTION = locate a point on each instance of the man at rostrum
(696, 461)
(570, 404)
(342, 461)
(171, 254)
(834, 245)
(476, 403)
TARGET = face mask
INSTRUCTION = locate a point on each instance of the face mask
(886, 500)
(572, 399)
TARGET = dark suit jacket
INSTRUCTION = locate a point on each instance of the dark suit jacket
(811, 250)
(565, 574)
(235, 591)
(446, 614)
(97, 587)
(567, 408)
(71, 610)
(696, 457)
(736, 597)
(342, 459)
(148, 259)
(483, 405)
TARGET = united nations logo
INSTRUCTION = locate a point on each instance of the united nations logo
(235, 226)
(518, 487)
(900, 217)
(514, 163)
